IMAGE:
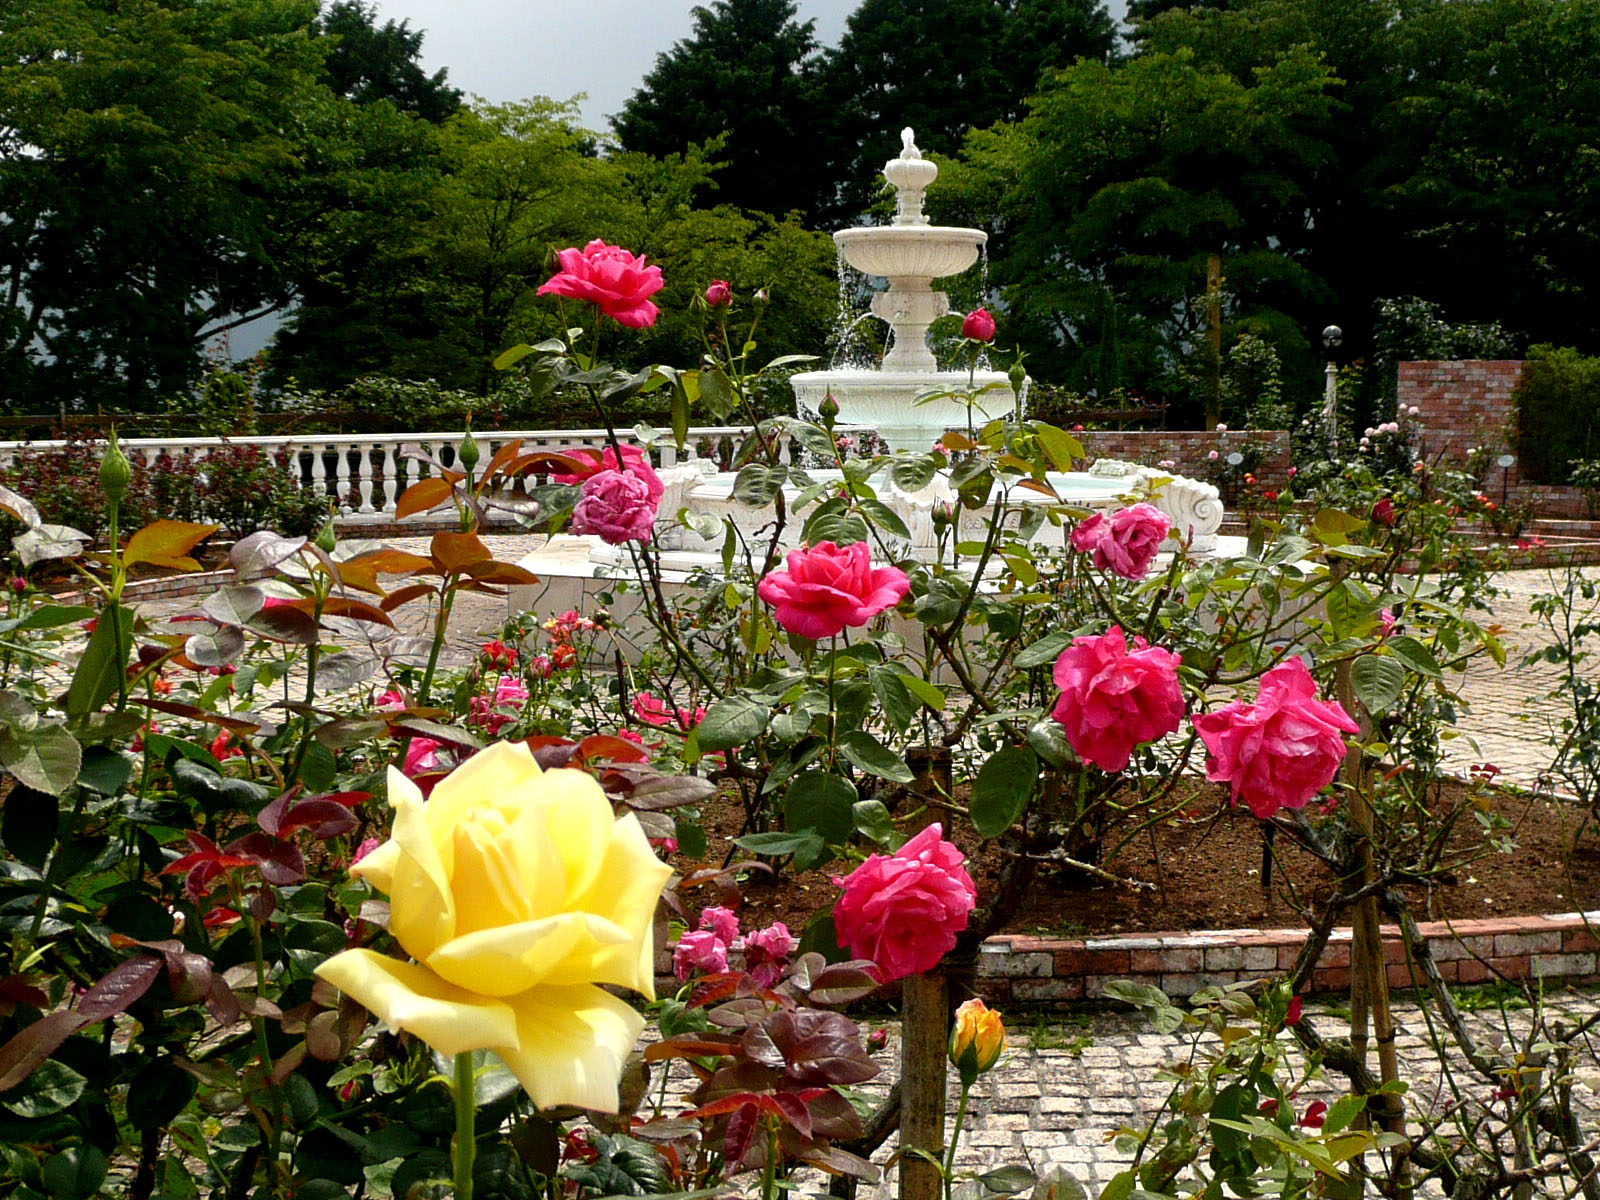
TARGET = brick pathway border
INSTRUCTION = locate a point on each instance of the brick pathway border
(1561, 947)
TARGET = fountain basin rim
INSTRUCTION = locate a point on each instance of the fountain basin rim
(869, 379)
(911, 251)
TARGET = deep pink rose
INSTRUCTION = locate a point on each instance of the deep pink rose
(719, 293)
(653, 711)
(392, 700)
(509, 692)
(1113, 700)
(1281, 750)
(766, 953)
(590, 463)
(616, 507)
(1126, 542)
(723, 922)
(699, 951)
(422, 755)
(904, 910)
(828, 587)
(978, 326)
(611, 278)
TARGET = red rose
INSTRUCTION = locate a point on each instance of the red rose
(614, 280)
(978, 326)
(719, 293)
(827, 587)
(1383, 512)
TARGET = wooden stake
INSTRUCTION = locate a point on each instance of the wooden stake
(924, 1033)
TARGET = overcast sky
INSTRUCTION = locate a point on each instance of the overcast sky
(513, 49)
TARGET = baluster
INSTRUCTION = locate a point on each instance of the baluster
(390, 465)
(341, 473)
(364, 477)
(319, 468)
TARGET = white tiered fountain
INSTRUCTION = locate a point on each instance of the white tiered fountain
(910, 254)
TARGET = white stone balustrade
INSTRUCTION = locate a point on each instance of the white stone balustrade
(368, 472)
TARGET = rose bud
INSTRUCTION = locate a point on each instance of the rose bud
(977, 1040)
(1383, 512)
(978, 326)
(719, 294)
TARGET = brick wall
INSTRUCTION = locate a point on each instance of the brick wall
(1190, 449)
(1469, 403)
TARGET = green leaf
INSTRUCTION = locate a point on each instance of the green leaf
(1378, 681)
(716, 390)
(1333, 528)
(896, 700)
(1001, 789)
(914, 474)
(1343, 1111)
(1007, 1180)
(1046, 650)
(821, 804)
(874, 821)
(1061, 447)
(159, 1093)
(833, 522)
(774, 844)
(884, 517)
(46, 757)
(1414, 655)
(865, 751)
(104, 659)
(54, 1086)
(757, 483)
(1049, 741)
(53, 616)
(511, 357)
(29, 820)
(1059, 1184)
(1120, 1187)
(104, 771)
(75, 1174)
(924, 691)
(732, 721)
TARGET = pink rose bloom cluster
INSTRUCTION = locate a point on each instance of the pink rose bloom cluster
(705, 950)
(1281, 750)
(614, 280)
(1126, 542)
(653, 711)
(904, 910)
(618, 504)
(486, 713)
(1113, 699)
(827, 587)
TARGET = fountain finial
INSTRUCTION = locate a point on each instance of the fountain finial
(910, 174)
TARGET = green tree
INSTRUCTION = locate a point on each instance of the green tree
(744, 82)
(942, 67)
(1119, 185)
(369, 62)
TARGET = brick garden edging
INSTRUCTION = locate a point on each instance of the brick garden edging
(1017, 968)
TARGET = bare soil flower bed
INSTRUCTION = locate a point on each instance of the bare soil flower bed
(1205, 872)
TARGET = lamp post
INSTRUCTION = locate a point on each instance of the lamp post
(1332, 339)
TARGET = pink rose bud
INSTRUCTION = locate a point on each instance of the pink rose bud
(365, 848)
(1296, 1007)
(1213, 456)
(1221, 428)
(1293, 471)
(877, 1039)
(719, 294)
(19, 585)
(1113, 700)
(1383, 512)
(978, 326)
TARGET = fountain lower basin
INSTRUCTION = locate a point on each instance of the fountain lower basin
(886, 401)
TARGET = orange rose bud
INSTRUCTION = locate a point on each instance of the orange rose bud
(977, 1040)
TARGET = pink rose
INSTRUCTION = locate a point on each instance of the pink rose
(978, 326)
(1386, 622)
(613, 279)
(1281, 750)
(1113, 700)
(718, 294)
(904, 910)
(367, 846)
(392, 700)
(766, 953)
(1126, 542)
(422, 755)
(723, 922)
(827, 587)
(590, 463)
(653, 711)
(616, 507)
(699, 952)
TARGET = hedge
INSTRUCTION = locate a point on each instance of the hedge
(1558, 413)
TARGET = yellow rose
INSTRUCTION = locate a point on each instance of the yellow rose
(977, 1040)
(516, 891)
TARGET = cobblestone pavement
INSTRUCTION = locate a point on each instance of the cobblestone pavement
(1063, 1090)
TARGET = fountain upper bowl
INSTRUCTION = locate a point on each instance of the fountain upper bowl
(910, 251)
